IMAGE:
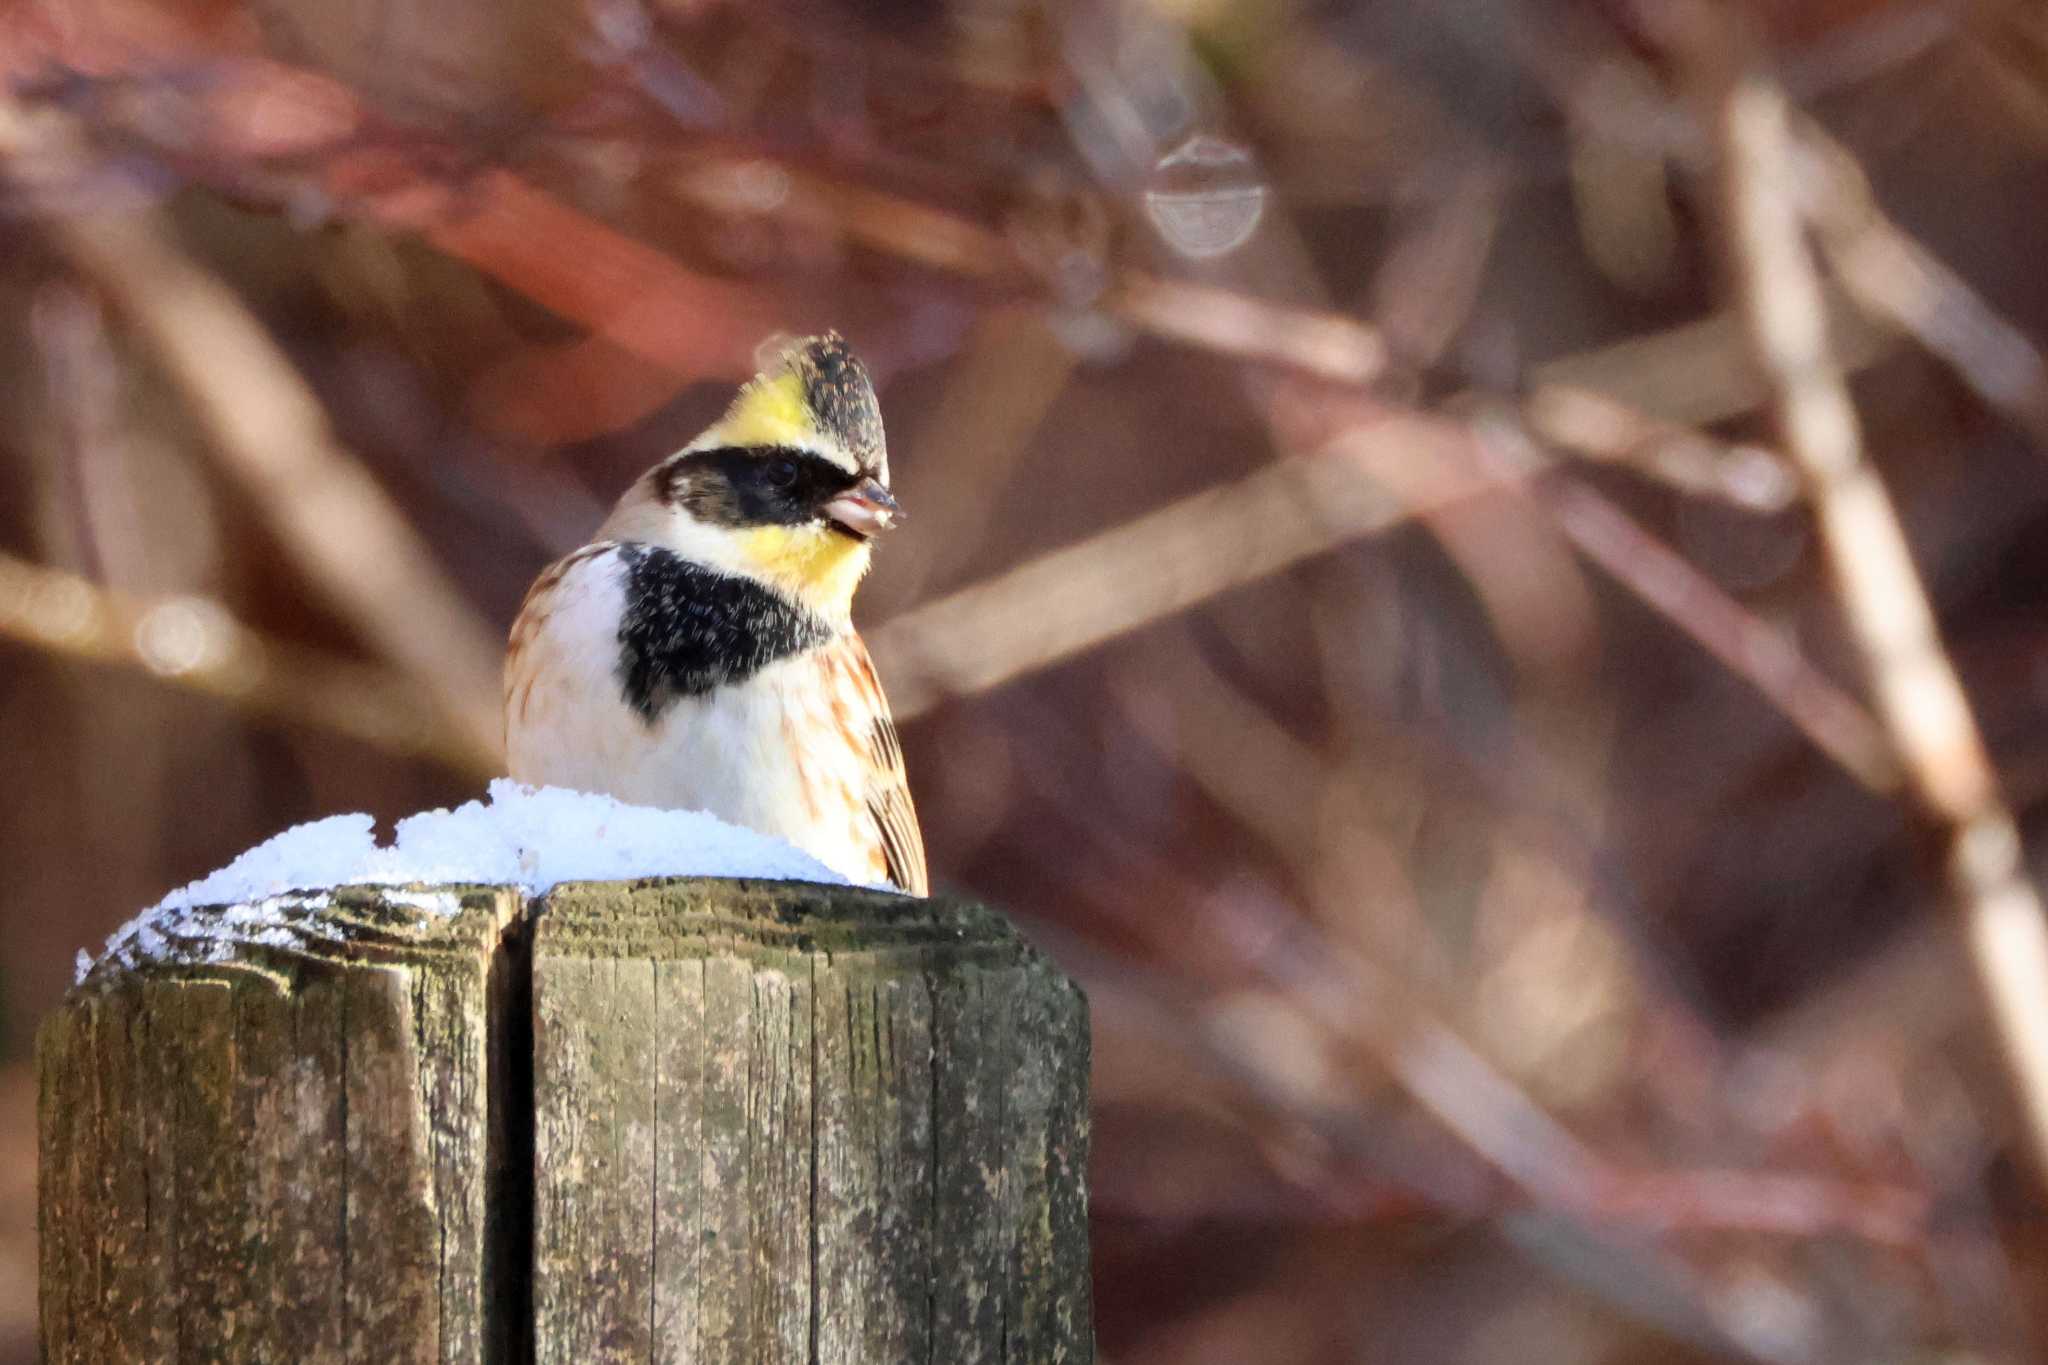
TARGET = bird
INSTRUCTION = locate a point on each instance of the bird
(699, 652)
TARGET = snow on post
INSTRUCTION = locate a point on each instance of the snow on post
(446, 1100)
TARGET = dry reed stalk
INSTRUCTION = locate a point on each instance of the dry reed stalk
(1918, 696)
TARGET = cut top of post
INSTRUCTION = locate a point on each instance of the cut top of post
(704, 1119)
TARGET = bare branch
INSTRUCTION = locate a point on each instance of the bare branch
(1836, 723)
(1597, 427)
(1894, 277)
(268, 429)
(1699, 373)
(1372, 475)
(194, 643)
(1164, 562)
(1919, 698)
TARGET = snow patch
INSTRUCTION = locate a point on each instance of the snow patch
(532, 838)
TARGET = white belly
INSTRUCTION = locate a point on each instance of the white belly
(761, 753)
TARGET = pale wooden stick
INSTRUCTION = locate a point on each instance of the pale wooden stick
(1919, 699)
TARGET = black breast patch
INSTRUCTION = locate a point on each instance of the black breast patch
(687, 629)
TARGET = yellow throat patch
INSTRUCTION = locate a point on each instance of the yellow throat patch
(817, 565)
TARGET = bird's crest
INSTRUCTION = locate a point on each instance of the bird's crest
(816, 395)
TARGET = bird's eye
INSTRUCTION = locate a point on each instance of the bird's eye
(782, 472)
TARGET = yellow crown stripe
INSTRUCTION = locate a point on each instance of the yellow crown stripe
(769, 412)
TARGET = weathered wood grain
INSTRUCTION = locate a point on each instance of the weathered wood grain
(867, 1124)
(276, 1151)
(685, 1121)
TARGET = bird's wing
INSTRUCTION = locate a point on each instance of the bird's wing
(888, 793)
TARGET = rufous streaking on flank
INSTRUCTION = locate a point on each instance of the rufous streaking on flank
(700, 652)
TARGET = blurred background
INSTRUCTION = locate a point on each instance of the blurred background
(1357, 608)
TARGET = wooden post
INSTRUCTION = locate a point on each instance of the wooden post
(661, 1121)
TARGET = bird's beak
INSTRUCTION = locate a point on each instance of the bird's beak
(865, 508)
